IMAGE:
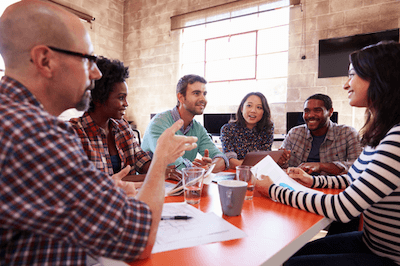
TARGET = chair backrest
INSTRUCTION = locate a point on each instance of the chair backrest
(137, 133)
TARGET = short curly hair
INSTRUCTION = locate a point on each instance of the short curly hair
(322, 97)
(113, 72)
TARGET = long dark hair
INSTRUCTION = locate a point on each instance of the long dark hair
(113, 72)
(379, 64)
(265, 123)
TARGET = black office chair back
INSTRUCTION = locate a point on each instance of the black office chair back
(136, 132)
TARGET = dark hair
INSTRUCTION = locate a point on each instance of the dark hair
(113, 72)
(379, 64)
(265, 123)
(183, 82)
(325, 98)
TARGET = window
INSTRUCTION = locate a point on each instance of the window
(231, 57)
(238, 56)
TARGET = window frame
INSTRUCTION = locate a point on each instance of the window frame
(229, 36)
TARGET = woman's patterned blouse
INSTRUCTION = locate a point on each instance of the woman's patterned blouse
(237, 141)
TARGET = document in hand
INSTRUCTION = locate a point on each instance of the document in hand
(269, 167)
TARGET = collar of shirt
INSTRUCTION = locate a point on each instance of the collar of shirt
(16, 91)
(176, 117)
(329, 134)
(88, 122)
(246, 129)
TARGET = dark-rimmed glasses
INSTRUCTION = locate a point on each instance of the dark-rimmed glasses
(92, 58)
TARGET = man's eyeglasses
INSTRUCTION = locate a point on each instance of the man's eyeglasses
(92, 58)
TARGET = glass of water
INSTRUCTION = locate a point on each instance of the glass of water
(192, 179)
(243, 173)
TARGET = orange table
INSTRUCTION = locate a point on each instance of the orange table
(275, 232)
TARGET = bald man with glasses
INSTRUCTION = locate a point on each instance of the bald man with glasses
(56, 207)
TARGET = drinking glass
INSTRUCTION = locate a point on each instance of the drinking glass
(192, 179)
(243, 173)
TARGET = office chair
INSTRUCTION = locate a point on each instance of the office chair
(136, 132)
(137, 135)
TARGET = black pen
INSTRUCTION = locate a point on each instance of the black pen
(176, 166)
(177, 217)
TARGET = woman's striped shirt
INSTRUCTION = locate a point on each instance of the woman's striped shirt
(372, 188)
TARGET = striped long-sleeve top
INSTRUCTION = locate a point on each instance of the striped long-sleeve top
(372, 188)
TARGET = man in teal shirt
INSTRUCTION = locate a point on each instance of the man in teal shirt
(191, 93)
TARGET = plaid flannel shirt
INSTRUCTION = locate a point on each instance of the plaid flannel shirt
(56, 207)
(341, 145)
(94, 142)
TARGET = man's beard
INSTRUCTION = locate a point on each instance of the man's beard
(319, 125)
(83, 104)
(193, 110)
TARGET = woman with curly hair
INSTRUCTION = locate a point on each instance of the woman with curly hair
(252, 130)
(106, 136)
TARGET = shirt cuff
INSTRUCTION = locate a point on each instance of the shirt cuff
(225, 159)
(231, 155)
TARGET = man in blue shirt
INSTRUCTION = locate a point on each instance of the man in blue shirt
(191, 93)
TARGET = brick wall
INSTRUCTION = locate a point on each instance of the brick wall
(138, 32)
(152, 52)
(106, 31)
(331, 19)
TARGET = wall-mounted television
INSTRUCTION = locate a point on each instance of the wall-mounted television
(334, 53)
(294, 119)
(214, 122)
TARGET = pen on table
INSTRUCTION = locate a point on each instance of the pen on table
(177, 217)
(177, 166)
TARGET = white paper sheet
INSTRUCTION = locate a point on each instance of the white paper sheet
(203, 228)
(168, 187)
(269, 167)
(208, 176)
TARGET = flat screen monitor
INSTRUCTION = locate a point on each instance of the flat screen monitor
(333, 60)
(214, 122)
(294, 119)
